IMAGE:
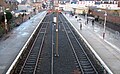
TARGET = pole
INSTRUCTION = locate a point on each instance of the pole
(57, 35)
(57, 30)
(87, 17)
(104, 24)
(6, 28)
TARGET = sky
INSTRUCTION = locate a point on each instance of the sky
(19, 1)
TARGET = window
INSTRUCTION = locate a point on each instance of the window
(1, 9)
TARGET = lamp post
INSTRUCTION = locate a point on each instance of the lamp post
(87, 17)
(57, 35)
(86, 13)
(104, 24)
(6, 28)
(57, 9)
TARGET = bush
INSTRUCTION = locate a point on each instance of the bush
(8, 16)
(1, 31)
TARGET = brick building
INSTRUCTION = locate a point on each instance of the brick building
(9, 4)
(113, 21)
(119, 3)
(2, 4)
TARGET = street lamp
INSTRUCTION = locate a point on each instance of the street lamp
(57, 9)
(87, 17)
(6, 28)
(57, 34)
(104, 24)
(86, 14)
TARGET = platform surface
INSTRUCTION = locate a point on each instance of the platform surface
(108, 49)
(11, 44)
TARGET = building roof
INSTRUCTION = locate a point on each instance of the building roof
(11, 0)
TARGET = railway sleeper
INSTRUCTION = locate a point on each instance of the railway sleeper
(83, 57)
(27, 66)
(83, 60)
(88, 69)
(89, 66)
(85, 64)
(33, 55)
(30, 63)
(30, 68)
(27, 72)
(35, 51)
(91, 72)
(31, 59)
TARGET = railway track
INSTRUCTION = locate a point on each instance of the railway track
(82, 59)
(32, 59)
(40, 57)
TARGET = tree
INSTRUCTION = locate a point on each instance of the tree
(8, 16)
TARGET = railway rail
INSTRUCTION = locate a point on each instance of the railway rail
(32, 59)
(40, 57)
(84, 63)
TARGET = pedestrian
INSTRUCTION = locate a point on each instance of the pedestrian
(92, 22)
(29, 17)
(71, 13)
(65, 13)
(78, 19)
(87, 20)
(80, 26)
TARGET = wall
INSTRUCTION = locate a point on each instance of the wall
(110, 18)
(113, 22)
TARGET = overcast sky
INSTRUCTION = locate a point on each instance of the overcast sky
(19, 1)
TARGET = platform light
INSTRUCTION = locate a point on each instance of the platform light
(5, 22)
(104, 26)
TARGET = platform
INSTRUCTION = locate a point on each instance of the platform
(11, 44)
(107, 50)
